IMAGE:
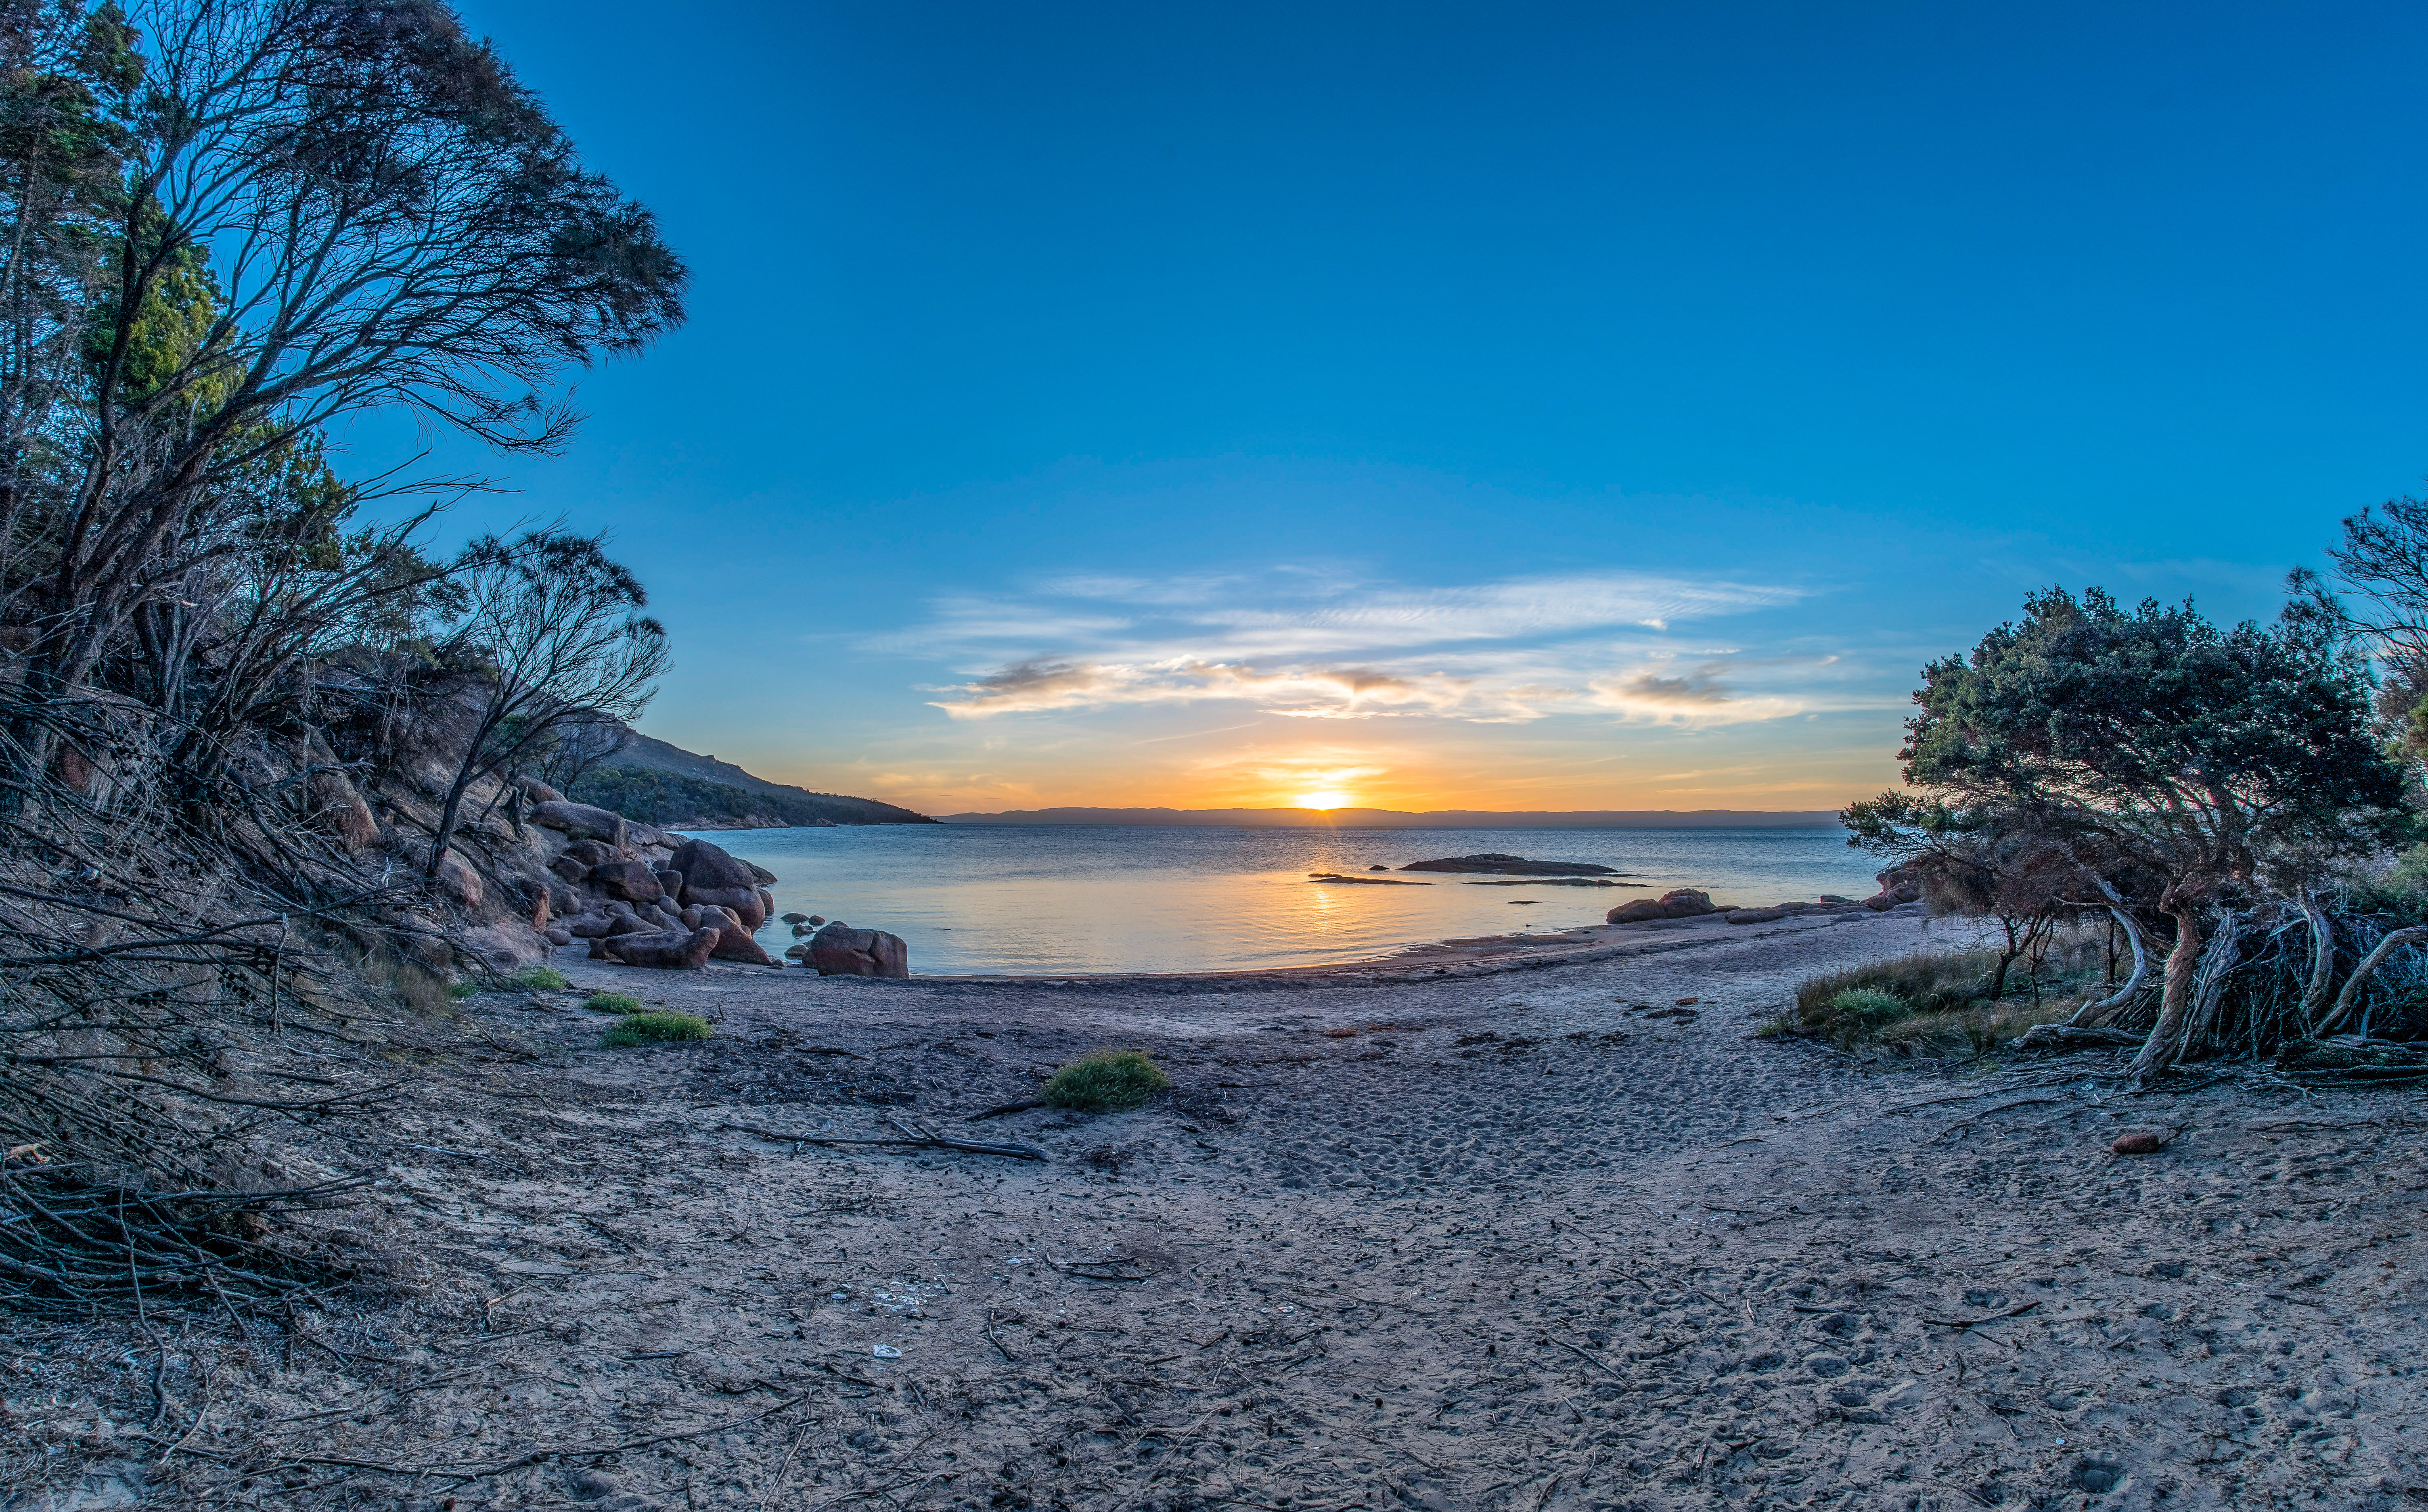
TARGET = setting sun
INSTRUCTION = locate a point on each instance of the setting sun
(1330, 798)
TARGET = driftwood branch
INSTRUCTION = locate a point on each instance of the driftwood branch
(2359, 979)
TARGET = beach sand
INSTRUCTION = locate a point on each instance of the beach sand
(1533, 1236)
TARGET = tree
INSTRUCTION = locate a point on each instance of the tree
(2200, 768)
(551, 634)
(239, 220)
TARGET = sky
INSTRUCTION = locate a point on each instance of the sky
(1512, 407)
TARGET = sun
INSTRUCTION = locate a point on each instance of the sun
(1328, 798)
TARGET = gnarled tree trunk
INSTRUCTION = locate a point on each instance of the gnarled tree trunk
(2092, 1012)
(2164, 1044)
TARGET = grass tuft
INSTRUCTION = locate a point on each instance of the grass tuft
(538, 980)
(614, 1003)
(461, 989)
(1107, 1081)
(1922, 1004)
(656, 1028)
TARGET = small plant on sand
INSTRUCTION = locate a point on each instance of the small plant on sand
(614, 1003)
(653, 1028)
(1107, 1081)
(461, 989)
(538, 980)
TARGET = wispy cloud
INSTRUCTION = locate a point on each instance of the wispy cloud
(1314, 645)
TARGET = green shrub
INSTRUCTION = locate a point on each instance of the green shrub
(651, 1029)
(1107, 1081)
(538, 980)
(1929, 984)
(460, 990)
(614, 1003)
(1867, 1009)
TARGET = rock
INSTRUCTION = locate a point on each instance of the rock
(706, 865)
(1677, 903)
(664, 950)
(631, 880)
(588, 925)
(799, 952)
(803, 929)
(342, 807)
(1378, 868)
(766, 904)
(818, 918)
(2142, 1141)
(746, 904)
(539, 792)
(462, 882)
(663, 916)
(762, 875)
(796, 918)
(840, 951)
(735, 942)
(2066, 1037)
(559, 935)
(1494, 862)
(1835, 898)
(592, 852)
(580, 820)
(1756, 915)
(571, 868)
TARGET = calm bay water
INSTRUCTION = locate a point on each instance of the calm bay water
(1052, 900)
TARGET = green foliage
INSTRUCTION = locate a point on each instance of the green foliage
(663, 799)
(1924, 1002)
(2201, 755)
(657, 1027)
(614, 1003)
(1925, 982)
(461, 989)
(538, 980)
(1107, 1081)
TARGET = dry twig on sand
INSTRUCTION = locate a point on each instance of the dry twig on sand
(917, 1137)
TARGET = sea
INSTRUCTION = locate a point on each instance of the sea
(1054, 901)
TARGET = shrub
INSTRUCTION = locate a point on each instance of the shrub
(1929, 984)
(651, 1029)
(460, 990)
(1107, 1081)
(538, 980)
(614, 1003)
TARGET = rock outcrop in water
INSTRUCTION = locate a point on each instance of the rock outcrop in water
(1494, 862)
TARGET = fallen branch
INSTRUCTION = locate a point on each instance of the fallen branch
(1006, 1107)
(1976, 1323)
(932, 1141)
(1587, 1357)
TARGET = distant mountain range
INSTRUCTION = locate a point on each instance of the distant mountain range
(1432, 819)
(676, 789)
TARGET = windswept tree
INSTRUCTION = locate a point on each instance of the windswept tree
(552, 635)
(2201, 768)
(240, 220)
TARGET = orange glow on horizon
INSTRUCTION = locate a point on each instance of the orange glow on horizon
(1327, 800)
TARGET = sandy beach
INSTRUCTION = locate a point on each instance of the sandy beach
(1540, 1234)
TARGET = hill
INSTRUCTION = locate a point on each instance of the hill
(1433, 819)
(672, 788)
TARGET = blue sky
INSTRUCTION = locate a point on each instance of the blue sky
(1509, 406)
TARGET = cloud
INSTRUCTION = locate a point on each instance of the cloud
(1310, 643)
